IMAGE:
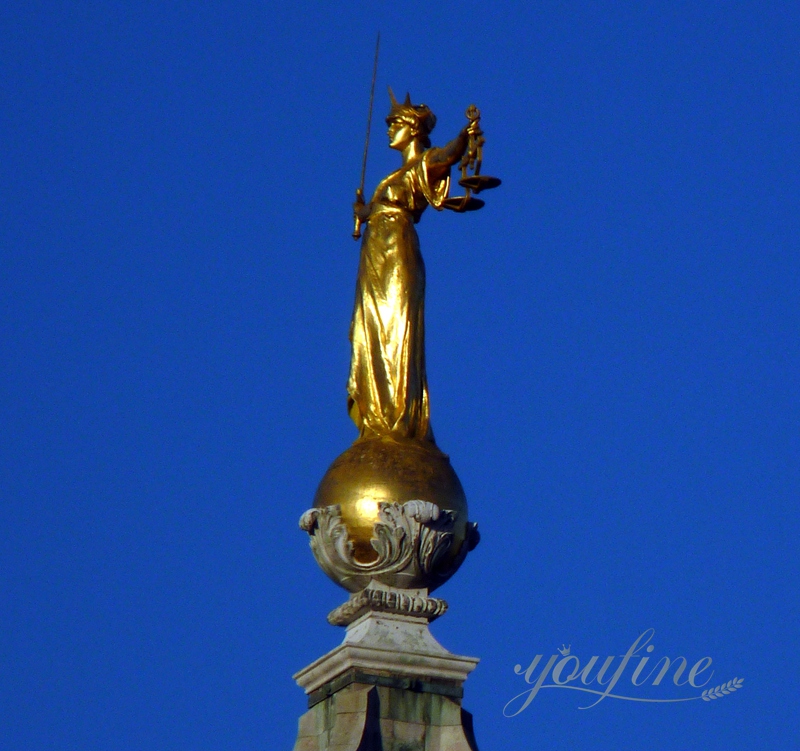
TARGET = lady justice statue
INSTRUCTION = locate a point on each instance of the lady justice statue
(388, 390)
(395, 460)
(389, 521)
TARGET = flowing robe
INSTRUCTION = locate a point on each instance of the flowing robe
(388, 388)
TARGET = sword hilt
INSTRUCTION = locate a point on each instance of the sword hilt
(359, 199)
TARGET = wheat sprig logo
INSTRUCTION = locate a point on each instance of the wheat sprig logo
(722, 690)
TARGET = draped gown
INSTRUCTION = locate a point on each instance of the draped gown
(388, 388)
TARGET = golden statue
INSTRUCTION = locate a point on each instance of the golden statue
(395, 459)
(388, 389)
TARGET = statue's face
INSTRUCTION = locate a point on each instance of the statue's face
(400, 134)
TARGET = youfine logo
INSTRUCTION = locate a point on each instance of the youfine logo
(564, 670)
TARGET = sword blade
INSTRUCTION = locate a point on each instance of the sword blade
(369, 116)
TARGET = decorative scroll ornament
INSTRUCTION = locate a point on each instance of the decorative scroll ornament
(412, 541)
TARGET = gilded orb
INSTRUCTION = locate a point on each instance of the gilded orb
(388, 470)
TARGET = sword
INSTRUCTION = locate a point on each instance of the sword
(360, 190)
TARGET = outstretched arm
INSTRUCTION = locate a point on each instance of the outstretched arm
(446, 156)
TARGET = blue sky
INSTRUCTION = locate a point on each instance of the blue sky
(612, 357)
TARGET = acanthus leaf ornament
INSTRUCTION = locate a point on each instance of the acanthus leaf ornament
(411, 541)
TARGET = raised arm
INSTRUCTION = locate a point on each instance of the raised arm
(442, 159)
(448, 155)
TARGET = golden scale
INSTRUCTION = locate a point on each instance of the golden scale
(471, 161)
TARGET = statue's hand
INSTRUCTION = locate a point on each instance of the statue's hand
(362, 210)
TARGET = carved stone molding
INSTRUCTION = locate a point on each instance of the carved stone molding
(387, 601)
(412, 541)
(387, 644)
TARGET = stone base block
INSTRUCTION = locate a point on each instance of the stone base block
(390, 686)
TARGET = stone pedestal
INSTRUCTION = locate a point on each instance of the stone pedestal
(390, 686)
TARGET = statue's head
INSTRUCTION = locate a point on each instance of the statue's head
(418, 117)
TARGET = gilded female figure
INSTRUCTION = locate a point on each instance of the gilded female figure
(388, 389)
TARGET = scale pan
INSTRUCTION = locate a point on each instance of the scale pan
(463, 203)
(477, 183)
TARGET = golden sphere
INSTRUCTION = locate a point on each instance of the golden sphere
(395, 471)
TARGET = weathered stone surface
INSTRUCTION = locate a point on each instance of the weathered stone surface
(390, 686)
(385, 719)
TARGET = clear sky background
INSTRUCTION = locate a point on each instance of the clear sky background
(612, 353)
